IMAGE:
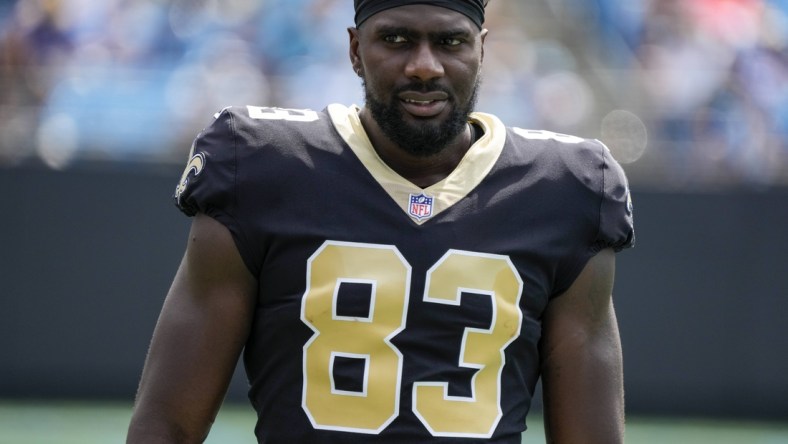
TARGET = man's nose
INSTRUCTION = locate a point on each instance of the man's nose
(424, 64)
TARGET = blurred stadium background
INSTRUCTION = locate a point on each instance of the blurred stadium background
(99, 102)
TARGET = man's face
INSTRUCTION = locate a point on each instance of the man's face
(420, 67)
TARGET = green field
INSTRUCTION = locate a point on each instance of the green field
(105, 423)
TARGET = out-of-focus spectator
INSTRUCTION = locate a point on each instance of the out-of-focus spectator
(704, 66)
(33, 37)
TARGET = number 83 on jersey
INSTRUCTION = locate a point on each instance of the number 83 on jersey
(368, 339)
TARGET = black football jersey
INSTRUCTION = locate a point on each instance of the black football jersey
(390, 313)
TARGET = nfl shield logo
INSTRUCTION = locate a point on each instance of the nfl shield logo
(420, 206)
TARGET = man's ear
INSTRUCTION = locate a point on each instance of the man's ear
(353, 47)
(483, 38)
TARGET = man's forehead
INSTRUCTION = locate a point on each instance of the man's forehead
(413, 18)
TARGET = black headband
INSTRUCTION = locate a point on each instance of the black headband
(473, 9)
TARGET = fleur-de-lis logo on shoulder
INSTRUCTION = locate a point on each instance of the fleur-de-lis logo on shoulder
(193, 168)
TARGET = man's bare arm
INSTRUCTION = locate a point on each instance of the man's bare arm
(582, 371)
(200, 333)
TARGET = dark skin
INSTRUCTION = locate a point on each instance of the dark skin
(206, 317)
(582, 370)
(200, 333)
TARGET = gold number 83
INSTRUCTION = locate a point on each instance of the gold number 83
(387, 272)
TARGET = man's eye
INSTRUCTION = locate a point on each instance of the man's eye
(452, 42)
(394, 39)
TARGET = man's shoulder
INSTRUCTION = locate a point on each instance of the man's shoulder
(575, 159)
(534, 140)
(254, 117)
(567, 150)
(552, 141)
(253, 128)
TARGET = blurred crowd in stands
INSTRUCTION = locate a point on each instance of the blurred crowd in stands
(688, 94)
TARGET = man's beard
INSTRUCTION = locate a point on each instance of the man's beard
(422, 139)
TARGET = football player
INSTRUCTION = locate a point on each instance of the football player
(400, 272)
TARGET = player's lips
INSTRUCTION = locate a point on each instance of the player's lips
(420, 104)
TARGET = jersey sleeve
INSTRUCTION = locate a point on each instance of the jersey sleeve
(208, 182)
(605, 207)
(616, 229)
